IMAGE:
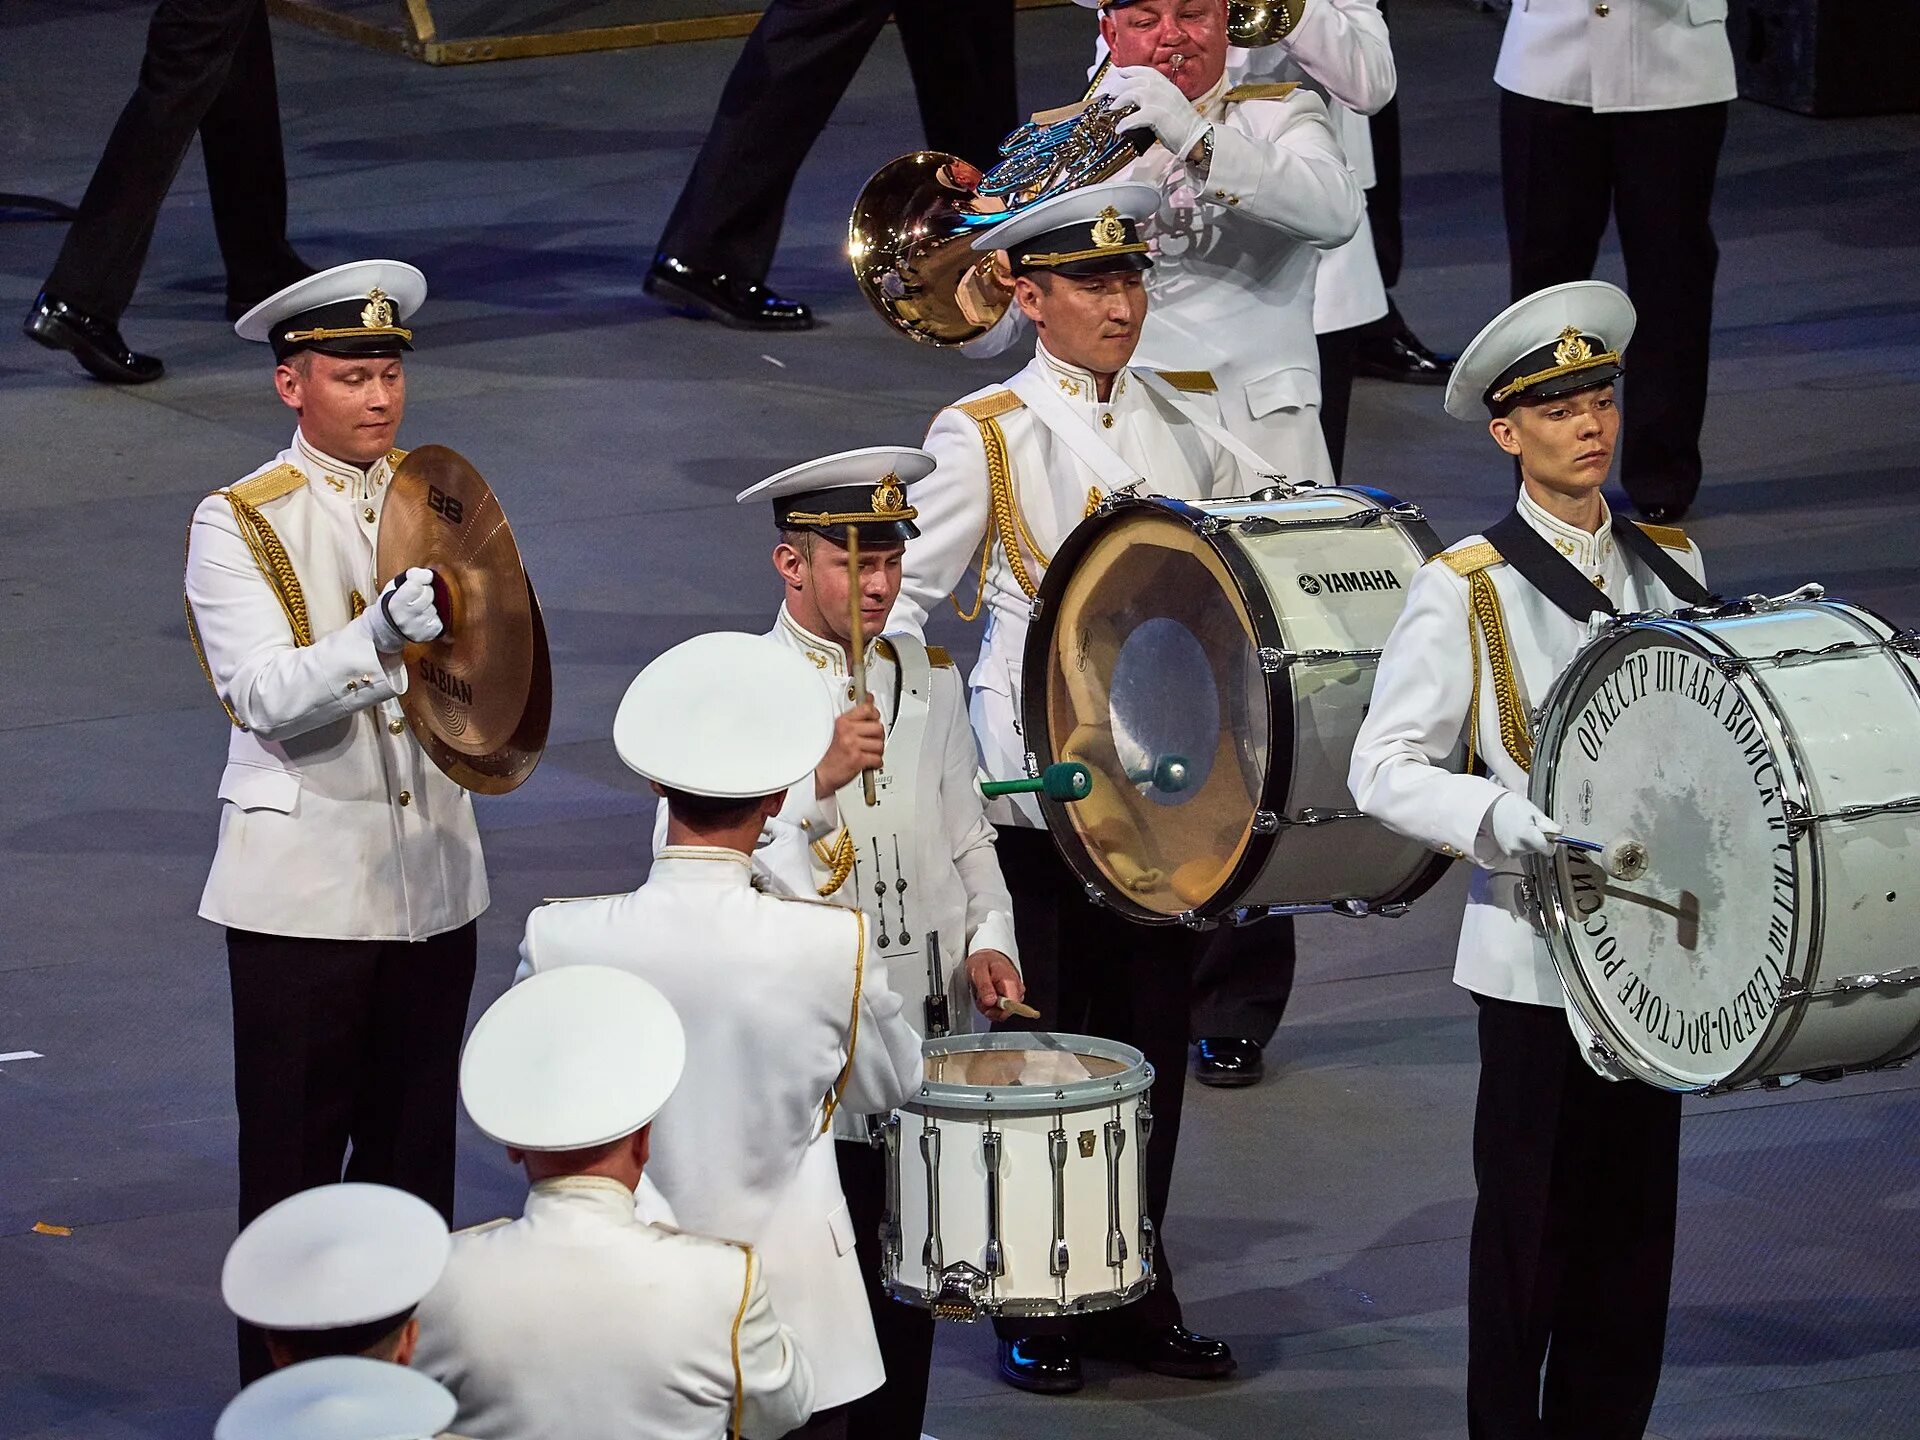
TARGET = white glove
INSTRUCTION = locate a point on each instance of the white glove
(1160, 107)
(404, 612)
(1519, 829)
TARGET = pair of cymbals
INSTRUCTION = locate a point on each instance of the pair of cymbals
(480, 697)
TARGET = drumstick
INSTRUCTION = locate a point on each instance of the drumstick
(856, 631)
(1011, 1006)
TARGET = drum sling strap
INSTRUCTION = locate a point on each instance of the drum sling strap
(1557, 578)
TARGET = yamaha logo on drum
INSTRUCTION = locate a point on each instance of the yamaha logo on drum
(1346, 582)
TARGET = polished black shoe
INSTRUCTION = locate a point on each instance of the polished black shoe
(1399, 356)
(1177, 1351)
(1663, 514)
(1228, 1061)
(730, 299)
(94, 342)
(1041, 1364)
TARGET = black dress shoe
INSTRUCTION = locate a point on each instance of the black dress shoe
(1228, 1061)
(1177, 1351)
(1663, 514)
(730, 299)
(1041, 1364)
(94, 342)
(1399, 356)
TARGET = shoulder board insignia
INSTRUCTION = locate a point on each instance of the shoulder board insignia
(1262, 92)
(484, 1226)
(938, 657)
(988, 407)
(665, 1229)
(813, 900)
(1191, 382)
(1472, 558)
(394, 457)
(269, 485)
(1667, 537)
(581, 899)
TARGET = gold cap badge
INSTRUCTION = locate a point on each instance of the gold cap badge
(1109, 229)
(1573, 348)
(890, 498)
(377, 314)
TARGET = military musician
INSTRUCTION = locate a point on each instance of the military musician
(786, 1001)
(1572, 1245)
(348, 872)
(1018, 467)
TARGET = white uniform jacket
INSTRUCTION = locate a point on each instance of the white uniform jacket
(1010, 511)
(1421, 702)
(786, 1019)
(957, 870)
(1626, 55)
(1341, 49)
(579, 1322)
(336, 825)
(1234, 255)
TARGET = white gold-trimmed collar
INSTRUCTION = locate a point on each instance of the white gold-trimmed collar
(1589, 552)
(1076, 383)
(339, 477)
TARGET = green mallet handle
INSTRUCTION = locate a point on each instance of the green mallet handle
(1065, 781)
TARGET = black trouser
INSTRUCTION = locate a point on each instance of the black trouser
(338, 1043)
(1572, 1250)
(208, 68)
(898, 1409)
(797, 64)
(1563, 168)
(1338, 351)
(1090, 972)
(1244, 981)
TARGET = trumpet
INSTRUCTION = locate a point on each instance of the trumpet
(910, 237)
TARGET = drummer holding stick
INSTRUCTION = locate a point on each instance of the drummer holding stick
(893, 822)
(1572, 1247)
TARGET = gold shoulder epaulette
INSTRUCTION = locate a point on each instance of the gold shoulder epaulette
(1262, 92)
(740, 1245)
(989, 407)
(394, 457)
(1667, 537)
(938, 657)
(1192, 382)
(1472, 558)
(269, 485)
(485, 1225)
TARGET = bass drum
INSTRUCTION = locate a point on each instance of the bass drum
(1767, 756)
(1211, 663)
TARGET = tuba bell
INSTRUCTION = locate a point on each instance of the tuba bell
(911, 234)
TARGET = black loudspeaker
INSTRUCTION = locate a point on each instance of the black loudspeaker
(1828, 57)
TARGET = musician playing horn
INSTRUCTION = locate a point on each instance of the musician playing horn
(348, 872)
(1018, 467)
(1251, 186)
(1572, 1246)
(920, 862)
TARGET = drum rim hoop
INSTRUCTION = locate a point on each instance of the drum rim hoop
(935, 1098)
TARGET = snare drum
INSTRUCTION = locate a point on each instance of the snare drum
(1210, 664)
(1016, 1177)
(1767, 754)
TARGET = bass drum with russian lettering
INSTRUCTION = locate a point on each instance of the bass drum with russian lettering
(1210, 664)
(1767, 755)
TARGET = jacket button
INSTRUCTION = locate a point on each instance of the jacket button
(395, 727)
(406, 797)
(352, 685)
(1107, 420)
(1603, 9)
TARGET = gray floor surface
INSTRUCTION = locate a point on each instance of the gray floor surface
(1322, 1216)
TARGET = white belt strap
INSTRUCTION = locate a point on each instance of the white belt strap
(1075, 431)
(1256, 464)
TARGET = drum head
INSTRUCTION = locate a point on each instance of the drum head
(1027, 1072)
(1049, 1068)
(1646, 739)
(1145, 669)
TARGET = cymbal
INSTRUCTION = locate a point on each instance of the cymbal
(479, 697)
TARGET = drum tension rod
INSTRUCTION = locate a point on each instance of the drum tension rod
(1800, 819)
(1273, 661)
(1794, 991)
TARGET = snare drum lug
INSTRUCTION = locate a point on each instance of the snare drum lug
(958, 1296)
(1036, 607)
(1031, 764)
(930, 1253)
(995, 1262)
(888, 1136)
(1265, 822)
(1116, 1146)
(1272, 661)
(1057, 1158)
(1142, 1129)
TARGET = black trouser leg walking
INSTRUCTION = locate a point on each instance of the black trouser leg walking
(1089, 971)
(204, 58)
(1244, 980)
(1338, 351)
(345, 1043)
(898, 1409)
(797, 64)
(1571, 1257)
